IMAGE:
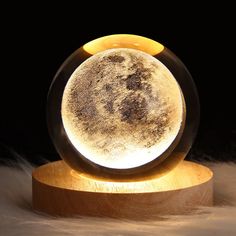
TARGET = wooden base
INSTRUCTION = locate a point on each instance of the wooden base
(57, 190)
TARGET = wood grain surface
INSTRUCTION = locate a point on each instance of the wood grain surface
(58, 190)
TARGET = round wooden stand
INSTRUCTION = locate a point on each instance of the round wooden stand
(57, 190)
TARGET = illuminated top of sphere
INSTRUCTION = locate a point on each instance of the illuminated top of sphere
(122, 108)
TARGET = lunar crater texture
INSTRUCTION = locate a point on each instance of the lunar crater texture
(122, 108)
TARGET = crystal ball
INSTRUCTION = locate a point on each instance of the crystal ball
(122, 108)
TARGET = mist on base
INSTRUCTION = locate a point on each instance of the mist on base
(122, 108)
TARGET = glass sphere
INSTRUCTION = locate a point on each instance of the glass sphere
(122, 108)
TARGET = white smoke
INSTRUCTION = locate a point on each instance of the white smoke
(18, 218)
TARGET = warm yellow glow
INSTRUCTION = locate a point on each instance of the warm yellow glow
(186, 175)
(123, 41)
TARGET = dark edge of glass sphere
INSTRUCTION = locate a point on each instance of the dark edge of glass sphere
(155, 168)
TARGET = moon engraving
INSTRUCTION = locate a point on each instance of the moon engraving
(122, 108)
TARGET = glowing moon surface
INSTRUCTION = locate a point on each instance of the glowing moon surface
(122, 108)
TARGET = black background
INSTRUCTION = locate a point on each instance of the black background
(37, 39)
